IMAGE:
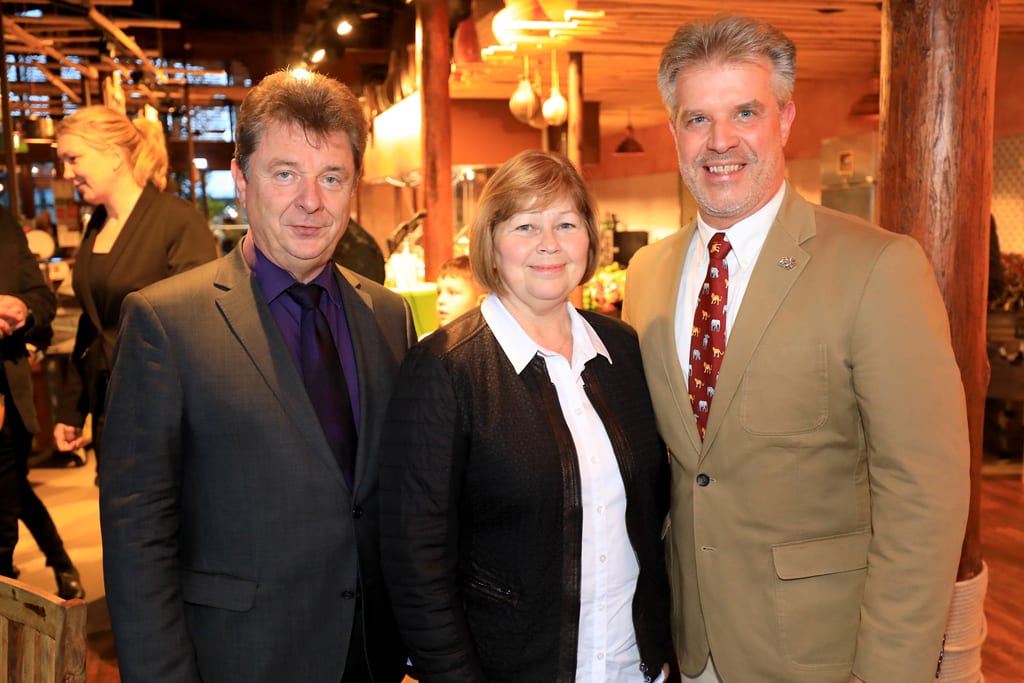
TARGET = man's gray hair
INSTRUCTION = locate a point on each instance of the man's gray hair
(727, 39)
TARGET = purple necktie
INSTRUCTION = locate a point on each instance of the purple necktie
(324, 377)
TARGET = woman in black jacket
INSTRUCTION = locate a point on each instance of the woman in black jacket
(524, 483)
(137, 236)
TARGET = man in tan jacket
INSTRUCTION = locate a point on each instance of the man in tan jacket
(816, 525)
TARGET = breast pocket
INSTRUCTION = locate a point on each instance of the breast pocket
(785, 390)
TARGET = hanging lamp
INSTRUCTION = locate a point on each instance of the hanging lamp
(555, 109)
(525, 102)
(629, 144)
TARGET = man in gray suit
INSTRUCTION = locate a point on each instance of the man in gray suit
(240, 531)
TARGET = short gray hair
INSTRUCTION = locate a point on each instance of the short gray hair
(727, 39)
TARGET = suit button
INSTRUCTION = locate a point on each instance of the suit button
(357, 512)
(348, 595)
(703, 479)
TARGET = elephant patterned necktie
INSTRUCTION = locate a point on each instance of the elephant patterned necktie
(707, 338)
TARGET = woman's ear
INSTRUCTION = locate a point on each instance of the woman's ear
(116, 156)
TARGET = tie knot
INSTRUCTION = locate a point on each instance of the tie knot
(307, 296)
(719, 246)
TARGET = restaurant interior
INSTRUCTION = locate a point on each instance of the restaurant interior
(576, 76)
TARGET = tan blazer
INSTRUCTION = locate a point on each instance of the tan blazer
(817, 529)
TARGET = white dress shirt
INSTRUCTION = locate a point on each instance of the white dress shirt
(606, 649)
(746, 237)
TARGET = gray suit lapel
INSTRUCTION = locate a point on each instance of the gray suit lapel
(362, 327)
(769, 284)
(249, 317)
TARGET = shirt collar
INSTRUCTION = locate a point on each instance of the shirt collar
(748, 235)
(273, 279)
(520, 348)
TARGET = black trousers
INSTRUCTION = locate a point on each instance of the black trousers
(17, 498)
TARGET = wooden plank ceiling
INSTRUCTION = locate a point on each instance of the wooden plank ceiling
(834, 38)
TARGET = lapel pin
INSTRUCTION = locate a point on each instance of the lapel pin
(787, 262)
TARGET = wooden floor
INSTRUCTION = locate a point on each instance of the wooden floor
(72, 501)
(1002, 541)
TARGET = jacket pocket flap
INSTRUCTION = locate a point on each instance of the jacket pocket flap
(819, 556)
(218, 590)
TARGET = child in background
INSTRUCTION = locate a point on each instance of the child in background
(457, 291)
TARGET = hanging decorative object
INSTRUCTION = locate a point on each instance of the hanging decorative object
(525, 101)
(555, 109)
(537, 121)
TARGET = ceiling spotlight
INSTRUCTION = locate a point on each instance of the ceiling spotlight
(318, 56)
(345, 26)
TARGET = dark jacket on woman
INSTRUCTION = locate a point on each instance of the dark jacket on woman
(163, 235)
(481, 514)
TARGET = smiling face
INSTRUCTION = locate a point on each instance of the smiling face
(541, 256)
(730, 133)
(297, 196)
(93, 171)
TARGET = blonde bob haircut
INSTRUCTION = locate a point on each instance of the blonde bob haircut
(141, 140)
(529, 180)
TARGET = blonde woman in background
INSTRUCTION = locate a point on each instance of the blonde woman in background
(136, 236)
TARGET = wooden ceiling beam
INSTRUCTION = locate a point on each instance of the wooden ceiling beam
(127, 42)
(20, 35)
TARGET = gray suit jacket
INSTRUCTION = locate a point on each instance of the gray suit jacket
(233, 548)
(817, 528)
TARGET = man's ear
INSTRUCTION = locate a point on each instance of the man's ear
(240, 182)
(786, 116)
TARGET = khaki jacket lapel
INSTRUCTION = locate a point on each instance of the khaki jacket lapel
(778, 267)
(663, 340)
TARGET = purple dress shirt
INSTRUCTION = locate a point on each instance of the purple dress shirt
(273, 281)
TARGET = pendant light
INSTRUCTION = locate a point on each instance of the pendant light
(629, 144)
(525, 101)
(556, 109)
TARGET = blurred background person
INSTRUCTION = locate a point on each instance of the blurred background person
(358, 250)
(26, 308)
(44, 222)
(457, 290)
(137, 235)
(523, 481)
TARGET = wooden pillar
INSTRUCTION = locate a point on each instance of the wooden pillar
(435, 67)
(574, 137)
(937, 110)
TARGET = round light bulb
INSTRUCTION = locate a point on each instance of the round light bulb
(556, 109)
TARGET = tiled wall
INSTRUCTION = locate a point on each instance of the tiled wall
(1008, 192)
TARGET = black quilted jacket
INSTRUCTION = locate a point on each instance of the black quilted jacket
(481, 517)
